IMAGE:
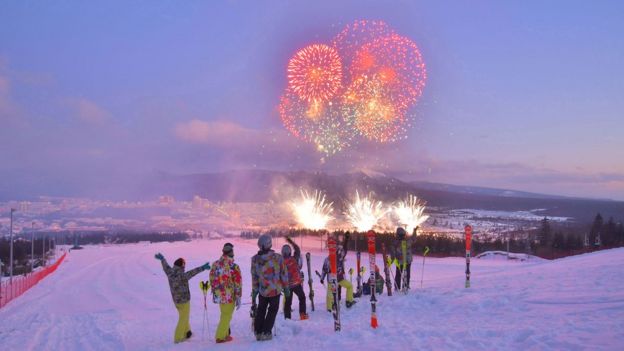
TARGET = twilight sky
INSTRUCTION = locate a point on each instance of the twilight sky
(527, 95)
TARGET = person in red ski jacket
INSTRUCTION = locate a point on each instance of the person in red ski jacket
(293, 265)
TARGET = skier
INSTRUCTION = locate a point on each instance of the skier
(225, 279)
(398, 257)
(269, 278)
(341, 253)
(294, 264)
(178, 284)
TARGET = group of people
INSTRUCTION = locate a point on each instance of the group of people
(272, 274)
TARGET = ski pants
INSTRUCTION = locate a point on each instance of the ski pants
(298, 290)
(265, 315)
(345, 284)
(183, 326)
(397, 277)
(223, 329)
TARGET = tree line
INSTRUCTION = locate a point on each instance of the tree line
(548, 240)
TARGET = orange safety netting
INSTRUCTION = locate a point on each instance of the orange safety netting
(10, 290)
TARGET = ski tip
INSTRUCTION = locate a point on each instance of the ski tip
(374, 322)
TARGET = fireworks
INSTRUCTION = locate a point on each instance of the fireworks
(364, 213)
(311, 211)
(374, 114)
(383, 75)
(322, 124)
(356, 35)
(315, 73)
(410, 213)
(397, 63)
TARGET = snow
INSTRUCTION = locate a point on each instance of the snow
(503, 255)
(117, 298)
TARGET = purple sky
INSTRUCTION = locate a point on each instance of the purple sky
(525, 95)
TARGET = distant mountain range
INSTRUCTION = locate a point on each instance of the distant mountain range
(264, 185)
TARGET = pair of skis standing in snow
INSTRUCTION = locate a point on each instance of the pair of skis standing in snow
(334, 267)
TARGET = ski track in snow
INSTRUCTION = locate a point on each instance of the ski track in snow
(117, 298)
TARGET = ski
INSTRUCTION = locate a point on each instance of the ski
(311, 295)
(358, 290)
(372, 280)
(468, 232)
(386, 269)
(333, 282)
(404, 281)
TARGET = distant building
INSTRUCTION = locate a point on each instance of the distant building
(23, 206)
(166, 200)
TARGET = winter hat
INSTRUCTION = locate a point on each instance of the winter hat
(179, 262)
(400, 232)
(265, 242)
(228, 249)
(286, 250)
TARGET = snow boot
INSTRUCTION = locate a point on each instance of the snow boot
(303, 316)
(351, 303)
(227, 339)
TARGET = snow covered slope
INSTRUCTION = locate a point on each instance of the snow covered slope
(116, 298)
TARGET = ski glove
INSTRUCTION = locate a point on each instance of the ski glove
(206, 266)
(159, 256)
(238, 303)
(286, 291)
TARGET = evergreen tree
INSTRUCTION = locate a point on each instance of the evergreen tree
(609, 235)
(545, 233)
(596, 230)
(558, 241)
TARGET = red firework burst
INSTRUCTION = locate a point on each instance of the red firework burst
(357, 34)
(397, 63)
(315, 73)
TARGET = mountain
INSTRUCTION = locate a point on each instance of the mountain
(264, 185)
(483, 190)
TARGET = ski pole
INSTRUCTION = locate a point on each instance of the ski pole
(204, 286)
(422, 275)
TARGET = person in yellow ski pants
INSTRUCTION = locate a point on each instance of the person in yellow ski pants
(183, 326)
(329, 299)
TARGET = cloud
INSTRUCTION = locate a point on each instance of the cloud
(232, 136)
(226, 145)
(87, 111)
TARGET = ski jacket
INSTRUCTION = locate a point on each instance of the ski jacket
(398, 251)
(293, 266)
(226, 282)
(268, 273)
(178, 281)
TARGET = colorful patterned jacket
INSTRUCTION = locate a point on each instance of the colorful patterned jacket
(178, 281)
(268, 273)
(293, 266)
(226, 282)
